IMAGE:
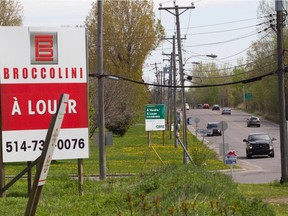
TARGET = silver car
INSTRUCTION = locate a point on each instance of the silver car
(226, 111)
(253, 121)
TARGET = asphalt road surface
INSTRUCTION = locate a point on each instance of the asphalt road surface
(258, 169)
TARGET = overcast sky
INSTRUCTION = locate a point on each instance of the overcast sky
(225, 28)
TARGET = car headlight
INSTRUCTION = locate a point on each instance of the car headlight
(270, 147)
(250, 146)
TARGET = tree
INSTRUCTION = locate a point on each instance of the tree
(130, 33)
(262, 58)
(11, 13)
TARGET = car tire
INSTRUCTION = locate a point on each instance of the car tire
(248, 155)
(258, 125)
(272, 154)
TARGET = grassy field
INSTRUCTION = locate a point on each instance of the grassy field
(160, 184)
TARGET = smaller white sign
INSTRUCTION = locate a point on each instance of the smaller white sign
(230, 158)
(155, 124)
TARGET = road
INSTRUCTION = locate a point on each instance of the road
(258, 169)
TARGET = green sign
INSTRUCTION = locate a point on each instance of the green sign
(155, 117)
(155, 111)
(248, 96)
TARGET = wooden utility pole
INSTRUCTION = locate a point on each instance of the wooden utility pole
(101, 119)
(280, 8)
(170, 101)
(169, 95)
(177, 14)
(174, 92)
(158, 95)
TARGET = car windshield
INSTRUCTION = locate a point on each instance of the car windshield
(255, 137)
(212, 126)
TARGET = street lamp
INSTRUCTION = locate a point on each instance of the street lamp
(213, 56)
(189, 78)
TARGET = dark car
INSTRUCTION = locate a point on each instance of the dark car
(253, 121)
(215, 107)
(259, 144)
(214, 127)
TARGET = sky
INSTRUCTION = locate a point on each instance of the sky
(225, 28)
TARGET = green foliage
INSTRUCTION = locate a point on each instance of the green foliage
(169, 190)
(120, 125)
(130, 33)
(274, 193)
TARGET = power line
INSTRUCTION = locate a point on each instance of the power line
(233, 75)
(222, 31)
(243, 81)
(238, 66)
(225, 23)
(225, 41)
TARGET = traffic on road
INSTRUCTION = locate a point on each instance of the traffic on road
(256, 168)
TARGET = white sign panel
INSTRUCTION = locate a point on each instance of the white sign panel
(155, 125)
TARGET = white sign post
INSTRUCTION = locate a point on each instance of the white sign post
(46, 156)
(52, 140)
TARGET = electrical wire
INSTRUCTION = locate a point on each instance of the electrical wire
(221, 31)
(244, 81)
(189, 22)
(232, 75)
(241, 50)
(239, 66)
(228, 30)
(230, 22)
(226, 41)
(217, 24)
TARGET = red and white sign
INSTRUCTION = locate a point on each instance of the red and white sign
(231, 157)
(37, 65)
